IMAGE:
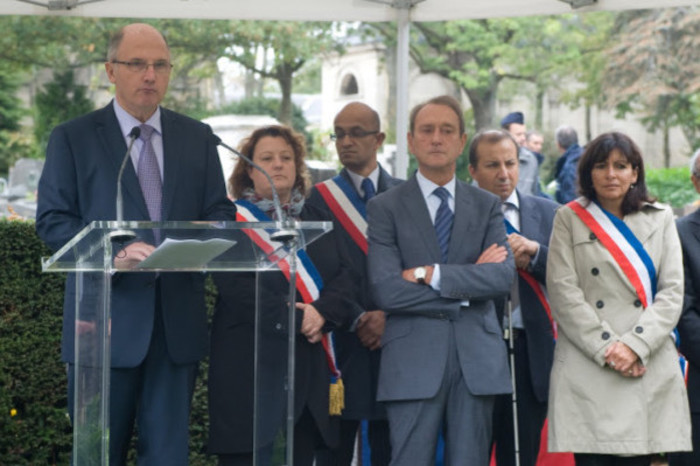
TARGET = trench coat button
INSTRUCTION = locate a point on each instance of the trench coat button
(595, 271)
(599, 304)
(605, 336)
(637, 303)
(592, 237)
(639, 329)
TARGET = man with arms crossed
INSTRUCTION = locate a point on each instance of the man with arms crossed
(493, 163)
(437, 258)
(159, 324)
(357, 138)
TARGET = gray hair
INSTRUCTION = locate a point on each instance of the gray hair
(566, 136)
(694, 168)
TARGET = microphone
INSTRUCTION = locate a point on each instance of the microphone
(285, 232)
(121, 234)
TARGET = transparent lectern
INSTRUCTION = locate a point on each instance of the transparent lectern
(227, 247)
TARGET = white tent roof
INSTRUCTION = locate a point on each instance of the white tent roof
(321, 10)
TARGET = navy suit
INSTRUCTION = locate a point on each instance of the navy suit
(689, 329)
(78, 185)
(439, 358)
(533, 348)
(359, 365)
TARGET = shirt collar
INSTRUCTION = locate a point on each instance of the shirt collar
(427, 187)
(128, 121)
(357, 179)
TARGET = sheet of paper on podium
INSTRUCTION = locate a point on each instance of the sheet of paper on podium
(187, 253)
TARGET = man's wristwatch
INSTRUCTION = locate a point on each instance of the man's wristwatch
(419, 273)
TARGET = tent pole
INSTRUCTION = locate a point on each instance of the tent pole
(402, 59)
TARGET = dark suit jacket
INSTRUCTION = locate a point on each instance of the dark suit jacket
(360, 366)
(536, 218)
(78, 185)
(231, 369)
(420, 319)
(689, 324)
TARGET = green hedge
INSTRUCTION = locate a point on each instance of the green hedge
(34, 424)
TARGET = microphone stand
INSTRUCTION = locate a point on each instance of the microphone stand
(285, 230)
(121, 235)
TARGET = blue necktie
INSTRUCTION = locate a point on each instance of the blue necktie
(443, 221)
(368, 188)
(149, 175)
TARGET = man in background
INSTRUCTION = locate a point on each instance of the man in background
(358, 137)
(689, 323)
(493, 164)
(529, 182)
(159, 324)
(566, 170)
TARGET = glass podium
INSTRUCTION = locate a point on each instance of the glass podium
(259, 249)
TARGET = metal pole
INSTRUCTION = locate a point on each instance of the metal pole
(403, 22)
(511, 353)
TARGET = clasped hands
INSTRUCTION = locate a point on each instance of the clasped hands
(622, 359)
(312, 322)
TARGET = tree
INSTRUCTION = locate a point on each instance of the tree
(61, 100)
(479, 55)
(278, 50)
(654, 69)
(11, 112)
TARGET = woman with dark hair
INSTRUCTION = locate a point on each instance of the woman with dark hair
(615, 281)
(236, 330)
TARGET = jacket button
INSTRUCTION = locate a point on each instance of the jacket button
(278, 326)
(605, 336)
(599, 304)
(639, 329)
(637, 303)
(595, 271)
(592, 237)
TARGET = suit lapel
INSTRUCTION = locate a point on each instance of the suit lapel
(695, 219)
(530, 222)
(414, 204)
(173, 138)
(464, 217)
(109, 132)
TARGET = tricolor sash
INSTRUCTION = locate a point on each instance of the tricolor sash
(627, 251)
(347, 206)
(535, 285)
(308, 284)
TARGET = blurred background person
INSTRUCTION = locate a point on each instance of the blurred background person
(615, 280)
(529, 181)
(280, 152)
(534, 141)
(565, 172)
(689, 325)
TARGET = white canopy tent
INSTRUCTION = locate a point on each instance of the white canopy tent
(401, 11)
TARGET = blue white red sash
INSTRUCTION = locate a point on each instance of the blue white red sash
(627, 251)
(347, 206)
(308, 284)
(535, 285)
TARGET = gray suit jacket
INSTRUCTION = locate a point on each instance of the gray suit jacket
(420, 319)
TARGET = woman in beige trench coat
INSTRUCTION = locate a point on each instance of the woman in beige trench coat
(617, 394)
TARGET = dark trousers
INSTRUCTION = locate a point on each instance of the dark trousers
(307, 440)
(588, 459)
(156, 396)
(531, 414)
(689, 458)
(379, 444)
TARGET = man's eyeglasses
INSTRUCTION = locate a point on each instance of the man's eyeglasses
(140, 66)
(355, 133)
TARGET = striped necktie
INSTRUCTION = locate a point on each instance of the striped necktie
(443, 221)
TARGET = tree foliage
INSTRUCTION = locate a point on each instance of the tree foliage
(61, 100)
(653, 69)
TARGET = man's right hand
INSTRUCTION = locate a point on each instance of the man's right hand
(132, 255)
(370, 328)
(494, 254)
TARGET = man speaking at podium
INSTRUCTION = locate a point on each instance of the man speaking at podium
(158, 326)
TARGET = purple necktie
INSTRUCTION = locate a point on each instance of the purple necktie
(149, 175)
